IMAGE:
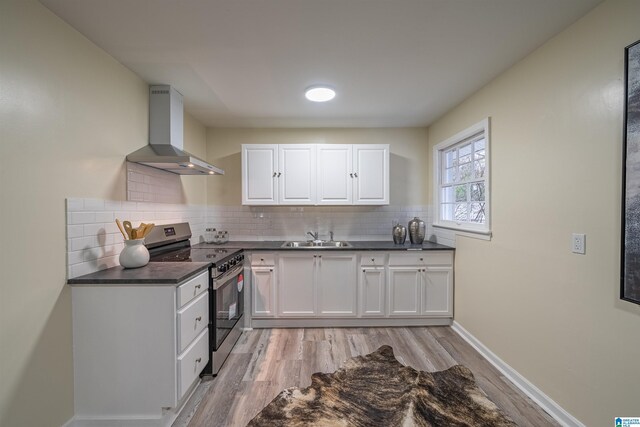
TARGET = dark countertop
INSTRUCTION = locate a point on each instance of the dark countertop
(154, 273)
(356, 246)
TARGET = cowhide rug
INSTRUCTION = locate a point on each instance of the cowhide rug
(377, 390)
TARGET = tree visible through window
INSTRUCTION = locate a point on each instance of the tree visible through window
(462, 175)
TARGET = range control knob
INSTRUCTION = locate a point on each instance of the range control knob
(222, 267)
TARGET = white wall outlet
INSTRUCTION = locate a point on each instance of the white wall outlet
(578, 243)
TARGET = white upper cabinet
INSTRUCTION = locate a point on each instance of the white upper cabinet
(309, 174)
(371, 174)
(259, 174)
(335, 174)
(297, 174)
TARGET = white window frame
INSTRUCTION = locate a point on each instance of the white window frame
(463, 228)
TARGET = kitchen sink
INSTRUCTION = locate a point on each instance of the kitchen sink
(316, 245)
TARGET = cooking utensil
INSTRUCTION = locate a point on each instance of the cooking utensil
(128, 228)
(122, 229)
(147, 230)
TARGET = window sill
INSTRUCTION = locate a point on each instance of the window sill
(467, 232)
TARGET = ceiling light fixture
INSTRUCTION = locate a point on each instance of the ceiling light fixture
(320, 93)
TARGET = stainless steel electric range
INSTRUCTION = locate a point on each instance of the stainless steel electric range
(170, 243)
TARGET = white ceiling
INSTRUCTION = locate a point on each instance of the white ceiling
(246, 63)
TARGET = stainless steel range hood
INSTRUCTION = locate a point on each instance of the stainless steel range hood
(166, 137)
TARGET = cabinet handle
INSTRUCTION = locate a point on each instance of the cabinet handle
(199, 318)
(198, 286)
(279, 173)
(351, 174)
(271, 269)
(319, 256)
(355, 174)
(261, 259)
(199, 359)
(373, 259)
(275, 174)
(421, 259)
(364, 271)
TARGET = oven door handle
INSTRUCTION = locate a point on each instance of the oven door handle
(220, 282)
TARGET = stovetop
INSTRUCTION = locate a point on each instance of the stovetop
(188, 254)
(170, 243)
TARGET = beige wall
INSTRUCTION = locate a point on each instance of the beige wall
(195, 141)
(69, 114)
(408, 149)
(556, 140)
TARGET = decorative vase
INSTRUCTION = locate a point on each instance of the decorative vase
(417, 231)
(134, 254)
(399, 234)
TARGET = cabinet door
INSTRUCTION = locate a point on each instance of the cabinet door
(372, 280)
(335, 174)
(297, 174)
(336, 284)
(259, 174)
(371, 174)
(263, 288)
(437, 292)
(404, 291)
(296, 292)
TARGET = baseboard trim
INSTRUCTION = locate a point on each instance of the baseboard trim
(545, 402)
(119, 421)
(70, 423)
(300, 322)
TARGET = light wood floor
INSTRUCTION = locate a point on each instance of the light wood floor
(266, 361)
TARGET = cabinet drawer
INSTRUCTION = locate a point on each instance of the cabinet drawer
(258, 259)
(192, 319)
(193, 288)
(422, 258)
(372, 259)
(192, 362)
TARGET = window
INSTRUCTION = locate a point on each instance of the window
(461, 192)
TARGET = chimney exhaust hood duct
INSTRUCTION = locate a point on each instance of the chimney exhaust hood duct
(166, 137)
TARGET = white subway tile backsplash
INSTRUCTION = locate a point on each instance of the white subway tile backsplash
(74, 257)
(96, 229)
(81, 269)
(74, 205)
(75, 231)
(93, 204)
(95, 242)
(106, 216)
(82, 217)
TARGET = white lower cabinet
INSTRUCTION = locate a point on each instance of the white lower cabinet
(336, 284)
(404, 291)
(263, 291)
(357, 287)
(316, 284)
(296, 285)
(372, 286)
(437, 292)
(138, 349)
(421, 284)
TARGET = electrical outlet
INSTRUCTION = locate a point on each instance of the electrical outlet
(578, 243)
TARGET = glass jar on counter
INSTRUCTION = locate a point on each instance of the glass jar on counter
(210, 235)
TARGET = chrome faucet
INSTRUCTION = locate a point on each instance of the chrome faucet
(312, 234)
